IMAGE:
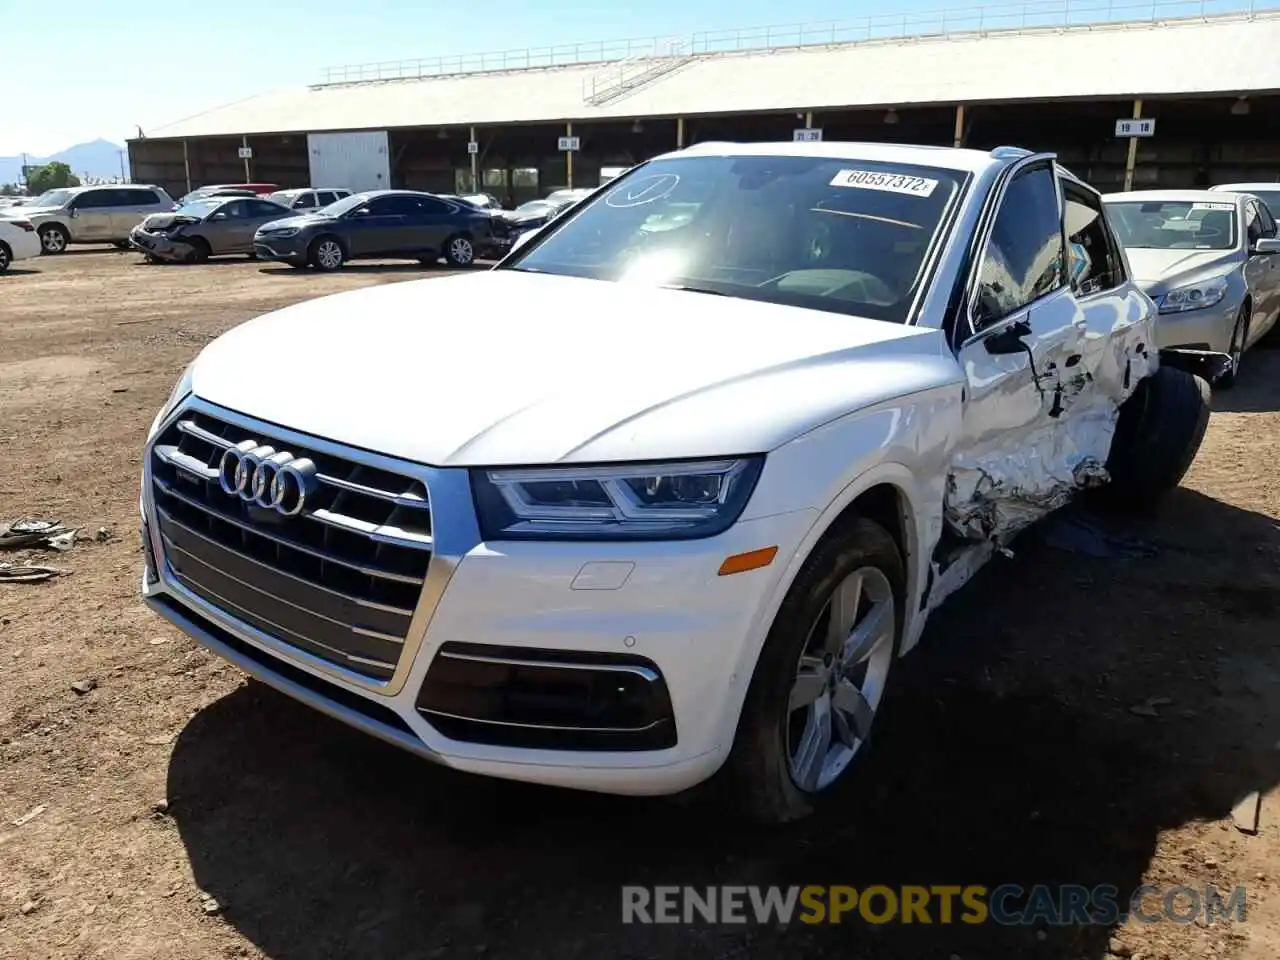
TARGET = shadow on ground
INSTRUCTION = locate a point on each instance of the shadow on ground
(1258, 390)
(1008, 754)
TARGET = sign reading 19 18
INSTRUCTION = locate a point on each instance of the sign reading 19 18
(1136, 128)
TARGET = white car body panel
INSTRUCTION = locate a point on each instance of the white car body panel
(22, 244)
(972, 445)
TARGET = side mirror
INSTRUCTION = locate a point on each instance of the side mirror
(1009, 340)
(73, 212)
(1266, 245)
(218, 216)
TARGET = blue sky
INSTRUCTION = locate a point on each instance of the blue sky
(101, 69)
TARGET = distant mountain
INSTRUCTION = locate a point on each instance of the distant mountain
(98, 159)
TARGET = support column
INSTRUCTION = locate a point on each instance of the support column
(244, 142)
(475, 159)
(186, 164)
(958, 140)
(679, 133)
(808, 119)
(1133, 149)
(568, 157)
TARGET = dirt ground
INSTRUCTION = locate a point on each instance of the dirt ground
(1011, 751)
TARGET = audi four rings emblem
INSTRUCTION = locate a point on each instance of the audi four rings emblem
(271, 479)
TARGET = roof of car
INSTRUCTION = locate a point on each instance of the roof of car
(953, 158)
(112, 186)
(1165, 196)
(297, 190)
(1243, 187)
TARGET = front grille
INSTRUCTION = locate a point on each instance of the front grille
(340, 580)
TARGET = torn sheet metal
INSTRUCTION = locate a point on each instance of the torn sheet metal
(993, 495)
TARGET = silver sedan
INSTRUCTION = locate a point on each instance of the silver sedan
(1209, 260)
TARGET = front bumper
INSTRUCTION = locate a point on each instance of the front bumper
(1207, 329)
(660, 604)
(158, 245)
(285, 249)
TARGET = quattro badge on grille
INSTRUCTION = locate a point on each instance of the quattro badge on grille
(271, 479)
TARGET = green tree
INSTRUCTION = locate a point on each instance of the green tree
(52, 176)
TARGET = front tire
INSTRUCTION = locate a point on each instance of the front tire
(1157, 437)
(459, 251)
(200, 251)
(6, 256)
(327, 254)
(1239, 337)
(821, 676)
(53, 239)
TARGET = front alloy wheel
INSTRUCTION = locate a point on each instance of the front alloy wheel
(821, 676)
(328, 255)
(460, 252)
(53, 239)
(840, 679)
(1239, 337)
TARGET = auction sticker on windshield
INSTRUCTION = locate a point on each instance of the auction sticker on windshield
(889, 182)
(1213, 205)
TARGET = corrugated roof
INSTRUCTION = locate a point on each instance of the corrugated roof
(1173, 58)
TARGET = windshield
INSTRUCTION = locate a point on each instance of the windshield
(534, 207)
(285, 197)
(345, 205)
(845, 236)
(198, 208)
(51, 198)
(1175, 224)
(1270, 197)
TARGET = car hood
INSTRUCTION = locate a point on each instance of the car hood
(26, 213)
(441, 371)
(295, 220)
(1161, 270)
(162, 221)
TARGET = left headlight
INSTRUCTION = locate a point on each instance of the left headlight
(180, 391)
(1194, 296)
(646, 501)
(280, 233)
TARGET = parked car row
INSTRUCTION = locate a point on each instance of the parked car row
(1208, 258)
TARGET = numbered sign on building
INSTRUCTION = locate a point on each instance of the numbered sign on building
(807, 135)
(1135, 128)
(473, 147)
(245, 153)
(568, 144)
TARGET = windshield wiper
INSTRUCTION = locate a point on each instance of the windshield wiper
(688, 288)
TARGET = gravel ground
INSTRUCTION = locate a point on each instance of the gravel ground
(1068, 719)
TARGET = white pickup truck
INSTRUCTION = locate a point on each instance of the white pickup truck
(670, 505)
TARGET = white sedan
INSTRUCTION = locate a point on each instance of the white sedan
(18, 241)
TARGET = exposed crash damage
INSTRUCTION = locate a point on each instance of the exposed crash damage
(203, 228)
(871, 366)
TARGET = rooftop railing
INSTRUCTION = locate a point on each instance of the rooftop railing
(1031, 15)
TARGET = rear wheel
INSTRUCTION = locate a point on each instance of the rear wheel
(327, 254)
(6, 256)
(1157, 437)
(53, 239)
(459, 251)
(1239, 337)
(821, 676)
